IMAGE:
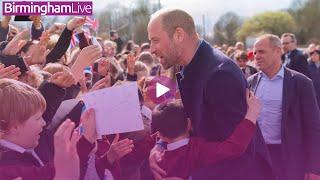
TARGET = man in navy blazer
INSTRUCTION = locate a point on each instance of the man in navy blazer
(292, 57)
(213, 91)
(291, 131)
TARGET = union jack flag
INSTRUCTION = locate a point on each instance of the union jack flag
(92, 22)
(74, 40)
(87, 33)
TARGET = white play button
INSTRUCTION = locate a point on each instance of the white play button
(161, 90)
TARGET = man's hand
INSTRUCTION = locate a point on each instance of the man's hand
(57, 28)
(131, 60)
(15, 45)
(63, 79)
(75, 23)
(118, 149)
(83, 86)
(23, 35)
(86, 57)
(45, 38)
(103, 66)
(310, 176)
(254, 107)
(154, 158)
(11, 72)
(102, 83)
(39, 56)
(88, 122)
(66, 159)
(89, 54)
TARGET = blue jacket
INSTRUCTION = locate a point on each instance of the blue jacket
(213, 92)
(315, 77)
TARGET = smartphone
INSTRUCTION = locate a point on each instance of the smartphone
(14, 60)
(95, 67)
(88, 76)
(22, 18)
(94, 41)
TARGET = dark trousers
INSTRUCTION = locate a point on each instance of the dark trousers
(277, 161)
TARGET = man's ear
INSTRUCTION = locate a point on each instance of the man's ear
(279, 50)
(179, 34)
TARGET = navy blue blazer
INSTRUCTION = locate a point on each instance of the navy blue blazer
(300, 125)
(213, 91)
(298, 62)
(315, 77)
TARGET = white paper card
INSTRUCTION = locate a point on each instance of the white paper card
(146, 112)
(117, 109)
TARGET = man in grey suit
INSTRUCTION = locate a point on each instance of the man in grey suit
(290, 118)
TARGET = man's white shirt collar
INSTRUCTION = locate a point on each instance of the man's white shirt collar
(279, 74)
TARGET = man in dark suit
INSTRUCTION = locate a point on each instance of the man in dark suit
(314, 69)
(290, 117)
(292, 57)
(115, 37)
(213, 91)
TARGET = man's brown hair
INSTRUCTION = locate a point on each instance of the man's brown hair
(174, 18)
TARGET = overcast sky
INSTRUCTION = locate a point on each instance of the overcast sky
(212, 9)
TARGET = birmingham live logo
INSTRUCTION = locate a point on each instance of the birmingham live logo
(10, 8)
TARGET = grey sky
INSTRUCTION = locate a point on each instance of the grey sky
(212, 9)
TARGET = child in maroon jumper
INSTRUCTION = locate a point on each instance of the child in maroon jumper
(183, 154)
(25, 144)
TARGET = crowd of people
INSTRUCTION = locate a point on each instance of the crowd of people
(247, 114)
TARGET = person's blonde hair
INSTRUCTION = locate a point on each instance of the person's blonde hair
(146, 58)
(141, 70)
(110, 43)
(140, 66)
(53, 68)
(19, 102)
(32, 78)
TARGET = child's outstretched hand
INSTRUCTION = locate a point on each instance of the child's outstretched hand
(63, 79)
(11, 72)
(15, 45)
(88, 121)
(86, 57)
(131, 60)
(254, 107)
(102, 83)
(118, 149)
(66, 159)
(75, 23)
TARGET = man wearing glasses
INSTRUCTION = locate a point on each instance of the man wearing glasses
(292, 57)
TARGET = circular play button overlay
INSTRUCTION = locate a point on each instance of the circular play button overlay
(161, 89)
